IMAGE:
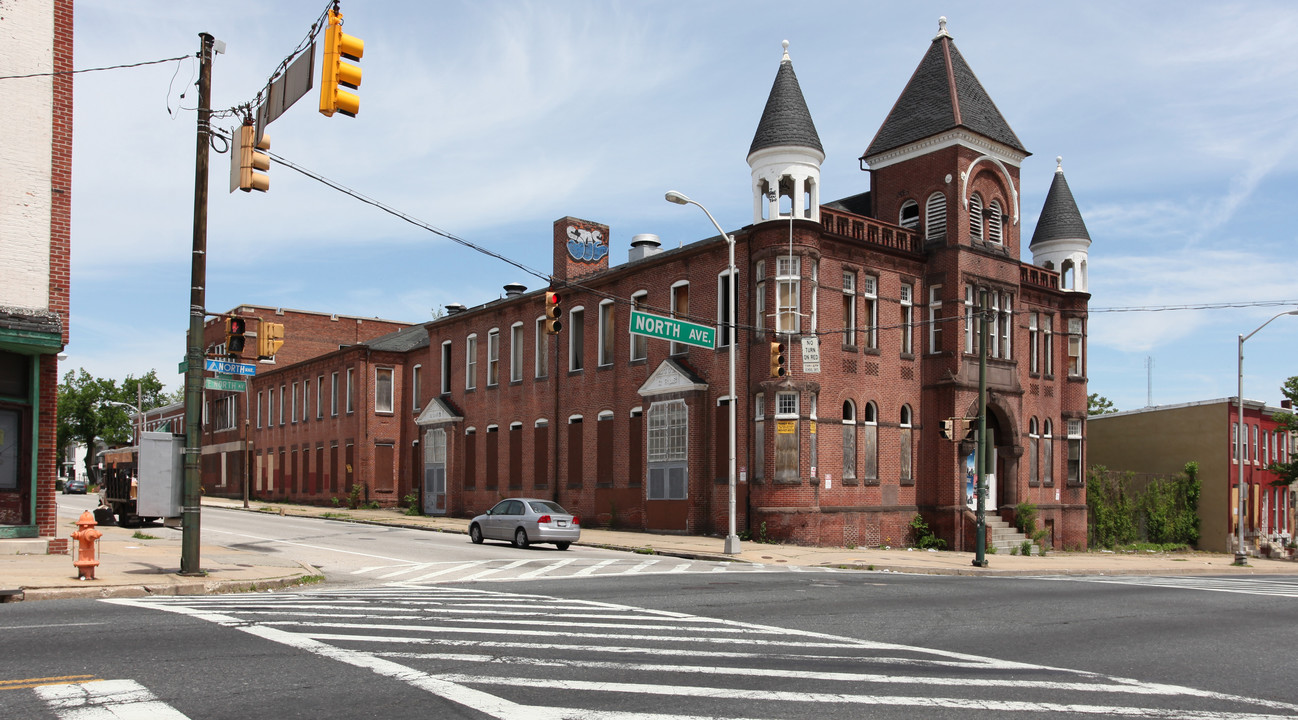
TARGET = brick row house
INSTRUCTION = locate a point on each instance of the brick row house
(632, 431)
(1207, 432)
(35, 254)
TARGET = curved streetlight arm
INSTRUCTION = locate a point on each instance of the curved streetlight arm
(732, 539)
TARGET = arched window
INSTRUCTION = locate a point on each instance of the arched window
(904, 449)
(994, 222)
(849, 440)
(1047, 454)
(1034, 442)
(976, 217)
(870, 444)
(909, 217)
(935, 216)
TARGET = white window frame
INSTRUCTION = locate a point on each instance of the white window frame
(576, 338)
(540, 358)
(1076, 341)
(416, 387)
(471, 361)
(679, 348)
(934, 319)
(292, 411)
(516, 352)
(970, 293)
(384, 398)
(1034, 343)
(870, 295)
(493, 357)
(1007, 326)
(723, 312)
(259, 409)
(606, 336)
(639, 343)
(333, 394)
(906, 299)
(351, 389)
(1076, 468)
(849, 307)
(759, 296)
(788, 287)
(319, 397)
(446, 366)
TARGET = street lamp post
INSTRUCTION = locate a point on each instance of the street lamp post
(1241, 557)
(732, 539)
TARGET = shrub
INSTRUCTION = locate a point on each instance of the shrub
(924, 537)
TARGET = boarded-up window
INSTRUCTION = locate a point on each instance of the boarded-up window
(492, 458)
(635, 452)
(604, 449)
(906, 445)
(541, 455)
(576, 453)
(470, 459)
(870, 445)
(384, 475)
(516, 456)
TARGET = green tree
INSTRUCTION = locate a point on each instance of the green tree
(1097, 404)
(1287, 471)
(85, 415)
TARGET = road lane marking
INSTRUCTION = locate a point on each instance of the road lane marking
(106, 700)
(26, 683)
(548, 568)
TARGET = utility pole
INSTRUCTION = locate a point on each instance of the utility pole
(191, 499)
(980, 453)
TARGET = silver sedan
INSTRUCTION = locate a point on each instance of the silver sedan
(524, 521)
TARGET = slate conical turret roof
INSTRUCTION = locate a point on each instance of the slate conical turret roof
(1060, 219)
(786, 120)
(943, 94)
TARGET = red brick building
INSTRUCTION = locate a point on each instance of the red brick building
(310, 339)
(35, 252)
(633, 431)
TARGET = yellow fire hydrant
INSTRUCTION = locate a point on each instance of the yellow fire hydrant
(86, 538)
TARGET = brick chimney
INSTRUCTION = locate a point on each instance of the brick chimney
(580, 248)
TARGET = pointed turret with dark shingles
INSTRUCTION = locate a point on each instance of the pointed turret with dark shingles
(1060, 219)
(943, 94)
(786, 121)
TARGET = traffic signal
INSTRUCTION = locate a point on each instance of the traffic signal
(269, 340)
(553, 313)
(253, 160)
(335, 72)
(234, 328)
(779, 362)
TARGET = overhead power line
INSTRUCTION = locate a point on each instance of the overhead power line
(95, 69)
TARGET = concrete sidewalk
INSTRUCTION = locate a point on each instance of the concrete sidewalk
(132, 564)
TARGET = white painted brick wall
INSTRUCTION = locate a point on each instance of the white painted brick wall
(26, 153)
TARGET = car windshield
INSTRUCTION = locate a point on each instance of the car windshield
(545, 506)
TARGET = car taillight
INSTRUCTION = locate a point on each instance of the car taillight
(544, 519)
(576, 520)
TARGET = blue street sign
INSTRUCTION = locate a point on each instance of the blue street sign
(229, 368)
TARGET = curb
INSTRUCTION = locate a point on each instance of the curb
(195, 586)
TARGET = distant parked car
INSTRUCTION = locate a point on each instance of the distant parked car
(524, 521)
(75, 486)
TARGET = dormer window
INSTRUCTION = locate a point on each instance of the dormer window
(909, 217)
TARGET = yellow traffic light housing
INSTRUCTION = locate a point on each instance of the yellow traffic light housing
(779, 362)
(334, 72)
(253, 160)
(553, 313)
(270, 338)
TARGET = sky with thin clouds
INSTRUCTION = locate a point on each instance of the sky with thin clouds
(1177, 123)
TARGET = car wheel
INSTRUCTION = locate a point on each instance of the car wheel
(520, 538)
(475, 534)
(562, 545)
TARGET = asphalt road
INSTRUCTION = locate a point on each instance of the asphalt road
(659, 642)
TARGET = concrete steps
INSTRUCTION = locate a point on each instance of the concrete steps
(1002, 536)
(24, 546)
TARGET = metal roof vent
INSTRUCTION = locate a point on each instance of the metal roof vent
(454, 309)
(644, 245)
(515, 289)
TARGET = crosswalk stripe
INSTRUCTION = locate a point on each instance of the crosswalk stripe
(591, 570)
(106, 700)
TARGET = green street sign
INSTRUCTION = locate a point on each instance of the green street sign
(184, 367)
(222, 384)
(665, 328)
